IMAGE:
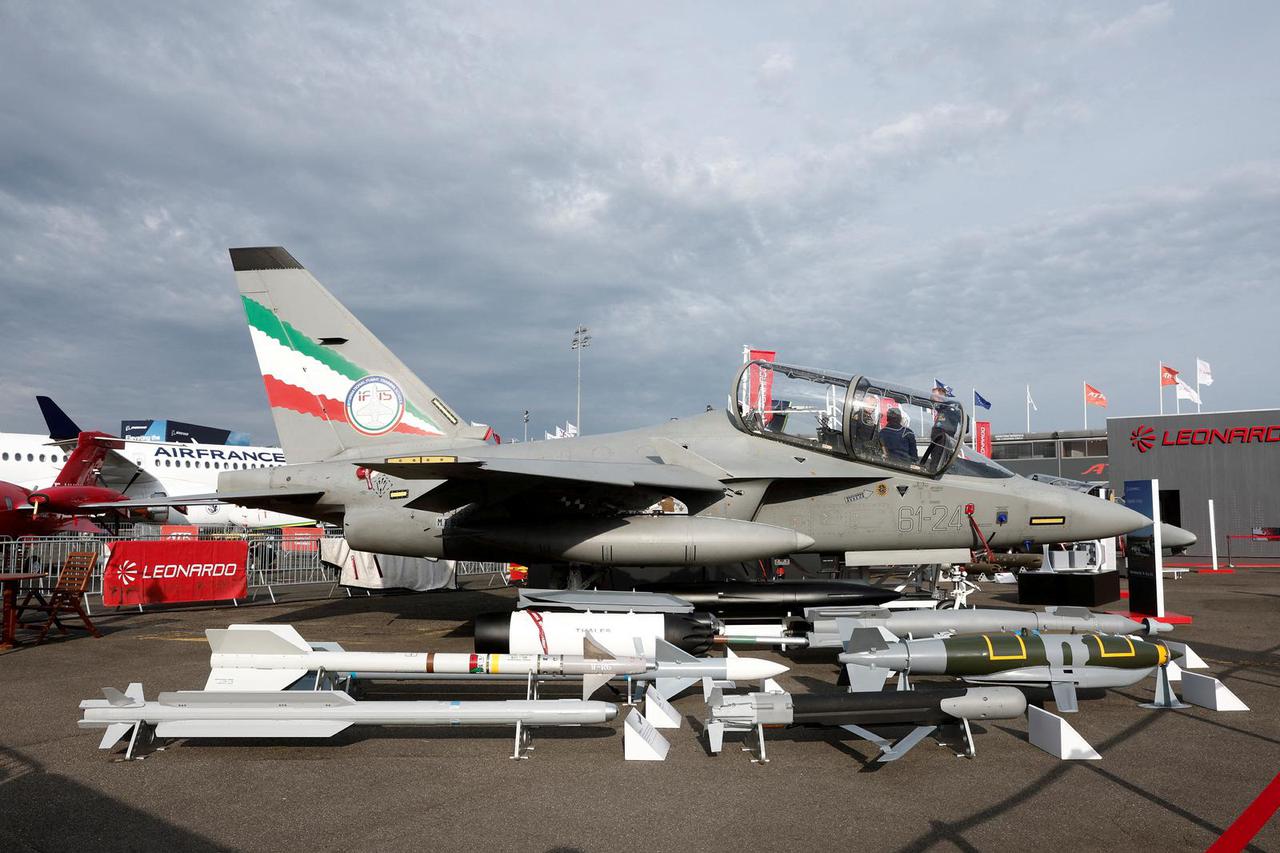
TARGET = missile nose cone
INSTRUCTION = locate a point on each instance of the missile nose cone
(752, 669)
(610, 712)
(803, 542)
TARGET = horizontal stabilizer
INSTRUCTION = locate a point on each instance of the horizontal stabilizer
(251, 728)
(247, 679)
(256, 640)
(298, 496)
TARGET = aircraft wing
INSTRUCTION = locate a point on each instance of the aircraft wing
(617, 474)
(299, 496)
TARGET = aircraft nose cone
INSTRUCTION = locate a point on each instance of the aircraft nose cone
(610, 712)
(1176, 537)
(1094, 518)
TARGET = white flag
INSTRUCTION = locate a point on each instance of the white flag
(559, 432)
(1204, 376)
(1030, 402)
(1186, 392)
(570, 430)
(548, 435)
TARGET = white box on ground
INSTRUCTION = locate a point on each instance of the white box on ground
(1056, 736)
(1208, 692)
(658, 711)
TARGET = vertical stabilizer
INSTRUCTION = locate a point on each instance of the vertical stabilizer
(332, 385)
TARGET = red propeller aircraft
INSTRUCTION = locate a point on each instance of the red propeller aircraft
(56, 509)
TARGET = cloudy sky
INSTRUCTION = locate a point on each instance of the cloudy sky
(997, 194)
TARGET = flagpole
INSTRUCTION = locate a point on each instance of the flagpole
(1160, 384)
(1084, 395)
(973, 421)
(1197, 385)
(1028, 408)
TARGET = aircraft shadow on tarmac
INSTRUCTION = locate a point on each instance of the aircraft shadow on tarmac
(30, 795)
(445, 605)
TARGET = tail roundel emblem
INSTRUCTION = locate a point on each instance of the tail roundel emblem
(375, 405)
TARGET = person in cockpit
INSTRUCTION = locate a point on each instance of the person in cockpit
(943, 437)
(898, 439)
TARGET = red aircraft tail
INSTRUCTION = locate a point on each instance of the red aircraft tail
(81, 468)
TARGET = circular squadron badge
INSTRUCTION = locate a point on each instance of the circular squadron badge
(375, 405)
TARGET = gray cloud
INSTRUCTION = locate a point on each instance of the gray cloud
(992, 195)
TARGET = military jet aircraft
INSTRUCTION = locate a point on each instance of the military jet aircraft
(799, 460)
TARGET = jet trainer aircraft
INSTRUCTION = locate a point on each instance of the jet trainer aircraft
(800, 460)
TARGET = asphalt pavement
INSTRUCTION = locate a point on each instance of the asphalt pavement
(1168, 780)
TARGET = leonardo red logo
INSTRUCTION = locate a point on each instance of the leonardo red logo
(1143, 438)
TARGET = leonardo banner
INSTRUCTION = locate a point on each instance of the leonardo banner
(171, 571)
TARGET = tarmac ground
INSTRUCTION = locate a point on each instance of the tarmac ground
(1168, 780)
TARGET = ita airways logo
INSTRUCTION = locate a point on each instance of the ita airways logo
(127, 573)
(375, 405)
(1143, 438)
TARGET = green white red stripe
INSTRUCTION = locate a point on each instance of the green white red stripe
(302, 376)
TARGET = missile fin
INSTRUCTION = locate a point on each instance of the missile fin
(865, 679)
(1064, 695)
(667, 653)
(593, 682)
(865, 640)
(715, 736)
(673, 687)
(123, 700)
(257, 639)
(593, 650)
(114, 732)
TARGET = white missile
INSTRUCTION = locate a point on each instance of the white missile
(272, 657)
(303, 713)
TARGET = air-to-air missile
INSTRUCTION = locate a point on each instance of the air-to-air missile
(272, 657)
(756, 599)
(311, 714)
(830, 626)
(556, 632)
(1060, 661)
(854, 712)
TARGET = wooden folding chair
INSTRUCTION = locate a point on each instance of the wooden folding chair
(67, 596)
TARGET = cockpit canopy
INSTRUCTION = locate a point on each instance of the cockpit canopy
(851, 416)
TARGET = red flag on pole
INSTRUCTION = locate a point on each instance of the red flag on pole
(1168, 376)
(1094, 397)
(760, 382)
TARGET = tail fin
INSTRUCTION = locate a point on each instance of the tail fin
(81, 468)
(332, 385)
(61, 427)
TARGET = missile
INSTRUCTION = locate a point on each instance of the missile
(854, 712)
(272, 657)
(554, 632)
(832, 625)
(754, 599)
(310, 714)
(672, 670)
(1063, 662)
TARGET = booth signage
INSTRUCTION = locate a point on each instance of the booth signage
(175, 570)
(1144, 437)
(1143, 559)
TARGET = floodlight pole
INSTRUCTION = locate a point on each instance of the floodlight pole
(581, 340)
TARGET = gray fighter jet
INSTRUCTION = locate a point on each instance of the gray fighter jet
(799, 460)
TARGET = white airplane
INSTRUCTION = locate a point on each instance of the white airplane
(144, 468)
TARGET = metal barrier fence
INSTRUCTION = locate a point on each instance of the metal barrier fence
(274, 559)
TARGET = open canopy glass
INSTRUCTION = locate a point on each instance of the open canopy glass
(853, 416)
